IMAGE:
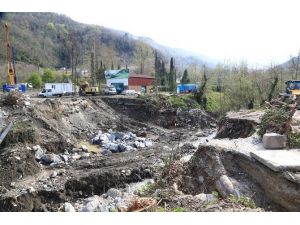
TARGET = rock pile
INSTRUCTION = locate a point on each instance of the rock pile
(60, 160)
(114, 142)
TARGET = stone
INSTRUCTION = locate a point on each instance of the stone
(65, 158)
(278, 160)
(122, 147)
(26, 103)
(91, 205)
(128, 173)
(39, 152)
(119, 135)
(148, 143)
(85, 155)
(114, 193)
(68, 207)
(30, 190)
(114, 148)
(94, 204)
(274, 141)
(106, 152)
(50, 158)
(54, 174)
(206, 198)
(200, 179)
(84, 148)
(12, 184)
(76, 156)
(17, 158)
(225, 186)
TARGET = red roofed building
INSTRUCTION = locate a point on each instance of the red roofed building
(140, 82)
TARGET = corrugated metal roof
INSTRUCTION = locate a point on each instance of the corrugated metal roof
(141, 76)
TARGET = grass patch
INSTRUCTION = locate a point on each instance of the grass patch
(243, 200)
(23, 132)
(294, 140)
(147, 189)
(184, 101)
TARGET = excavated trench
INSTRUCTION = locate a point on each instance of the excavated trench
(206, 169)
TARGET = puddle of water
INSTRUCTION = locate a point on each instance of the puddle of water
(91, 147)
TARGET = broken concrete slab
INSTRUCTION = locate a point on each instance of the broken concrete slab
(278, 160)
(274, 141)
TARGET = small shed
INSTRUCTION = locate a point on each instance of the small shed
(141, 83)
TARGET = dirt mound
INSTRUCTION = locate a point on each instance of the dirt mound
(167, 117)
(16, 163)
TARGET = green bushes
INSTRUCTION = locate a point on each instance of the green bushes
(35, 79)
(274, 120)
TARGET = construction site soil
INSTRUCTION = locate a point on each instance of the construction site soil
(43, 167)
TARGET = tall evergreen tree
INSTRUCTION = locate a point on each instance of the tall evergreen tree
(172, 76)
(185, 78)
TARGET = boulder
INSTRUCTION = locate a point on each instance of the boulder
(274, 141)
(122, 147)
(224, 186)
(50, 158)
(114, 193)
(39, 152)
(68, 207)
(112, 147)
(94, 204)
(84, 148)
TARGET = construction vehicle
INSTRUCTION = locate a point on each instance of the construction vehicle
(86, 89)
(11, 76)
(11, 84)
(293, 91)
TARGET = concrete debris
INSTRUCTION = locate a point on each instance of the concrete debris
(274, 141)
(114, 142)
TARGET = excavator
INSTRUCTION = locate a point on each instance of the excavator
(11, 74)
(85, 89)
(293, 90)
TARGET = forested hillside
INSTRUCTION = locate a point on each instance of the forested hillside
(55, 41)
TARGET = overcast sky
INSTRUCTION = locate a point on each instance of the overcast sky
(256, 31)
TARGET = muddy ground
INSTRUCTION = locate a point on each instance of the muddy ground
(184, 177)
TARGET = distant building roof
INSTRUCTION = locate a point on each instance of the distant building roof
(110, 74)
(141, 76)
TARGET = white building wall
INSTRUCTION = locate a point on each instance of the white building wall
(117, 80)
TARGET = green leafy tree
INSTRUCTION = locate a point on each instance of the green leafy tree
(185, 79)
(48, 76)
(35, 79)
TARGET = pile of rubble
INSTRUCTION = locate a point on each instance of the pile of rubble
(114, 142)
(113, 200)
(58, 161)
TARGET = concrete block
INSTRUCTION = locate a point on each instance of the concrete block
(279, 160)
(274, 141)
